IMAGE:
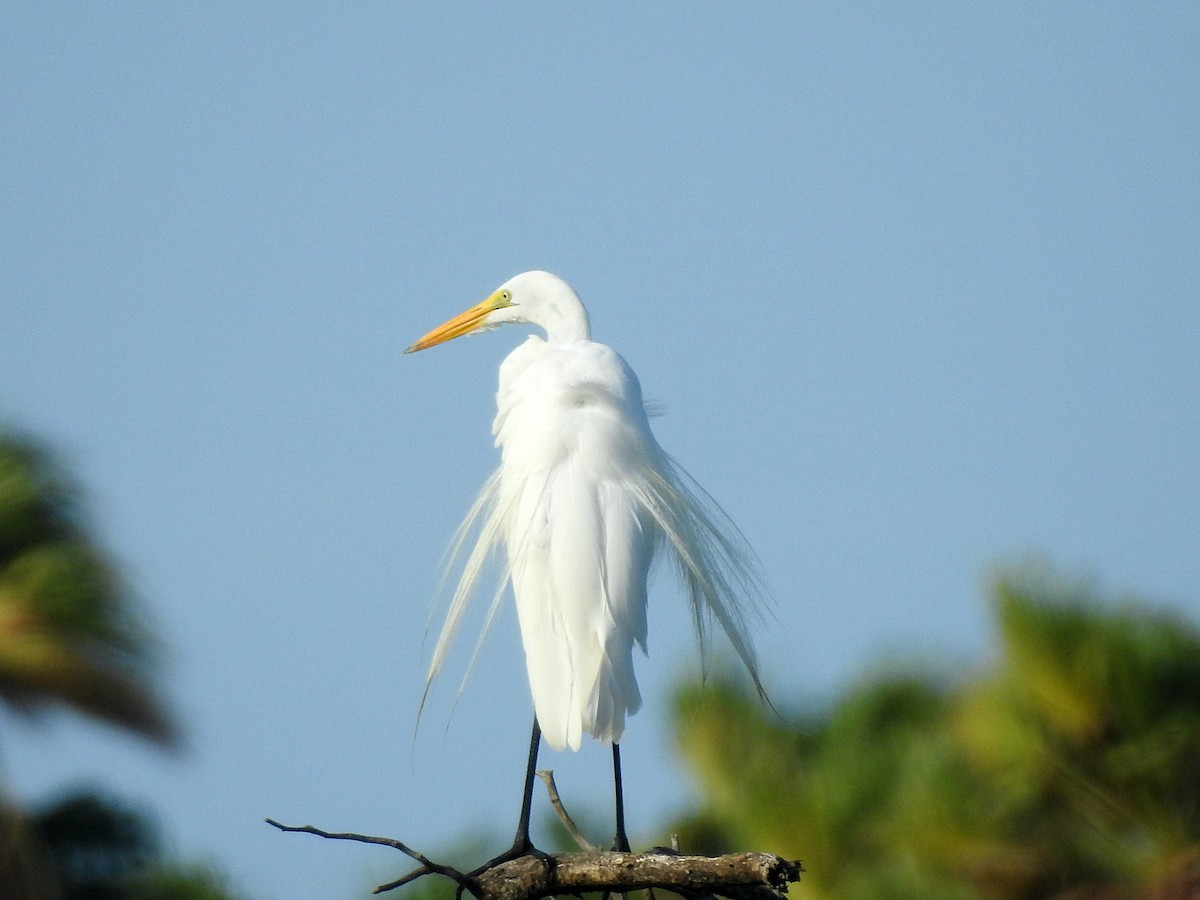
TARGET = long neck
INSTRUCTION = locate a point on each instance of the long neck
(565, 319)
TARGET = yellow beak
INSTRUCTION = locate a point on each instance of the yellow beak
(464, 323)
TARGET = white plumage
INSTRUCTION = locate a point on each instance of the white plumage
(583, 499)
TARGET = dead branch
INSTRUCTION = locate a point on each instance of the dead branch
(427, 867)
(741, 876)
(561, 811)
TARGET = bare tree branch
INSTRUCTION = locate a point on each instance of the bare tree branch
(563, 816)
(427, 867)
(740, 876)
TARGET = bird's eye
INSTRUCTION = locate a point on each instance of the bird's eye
(506, 296)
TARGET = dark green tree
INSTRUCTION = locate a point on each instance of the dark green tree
(1067, 768)
(70, 636)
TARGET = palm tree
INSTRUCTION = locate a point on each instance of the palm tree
(1089, 728)
(68, 636)
(1067, 768)
(67, 631)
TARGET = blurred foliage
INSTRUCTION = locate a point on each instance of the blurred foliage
(93, 842)
(1068, 768)
(86, 846)
(70, 636)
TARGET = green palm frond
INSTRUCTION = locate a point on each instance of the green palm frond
(68, 634)
(1066, 768)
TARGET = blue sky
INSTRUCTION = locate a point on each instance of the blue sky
(916, 287)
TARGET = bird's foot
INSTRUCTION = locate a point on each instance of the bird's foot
(521, 847)
(621, 843)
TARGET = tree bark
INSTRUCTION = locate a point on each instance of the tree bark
(743, 876)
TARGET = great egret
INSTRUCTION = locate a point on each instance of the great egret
(582, 500)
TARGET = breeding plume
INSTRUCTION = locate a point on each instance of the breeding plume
(583, 500)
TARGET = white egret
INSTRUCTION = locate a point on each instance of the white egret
(582, 500)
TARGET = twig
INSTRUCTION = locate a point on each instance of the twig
(427, 866)
(563, 816)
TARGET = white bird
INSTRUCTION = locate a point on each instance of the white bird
(583, 499)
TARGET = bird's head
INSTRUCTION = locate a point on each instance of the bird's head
(537, 298)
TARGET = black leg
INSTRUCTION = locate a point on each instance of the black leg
(521, 841)
(621, 841)
(522, 845)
